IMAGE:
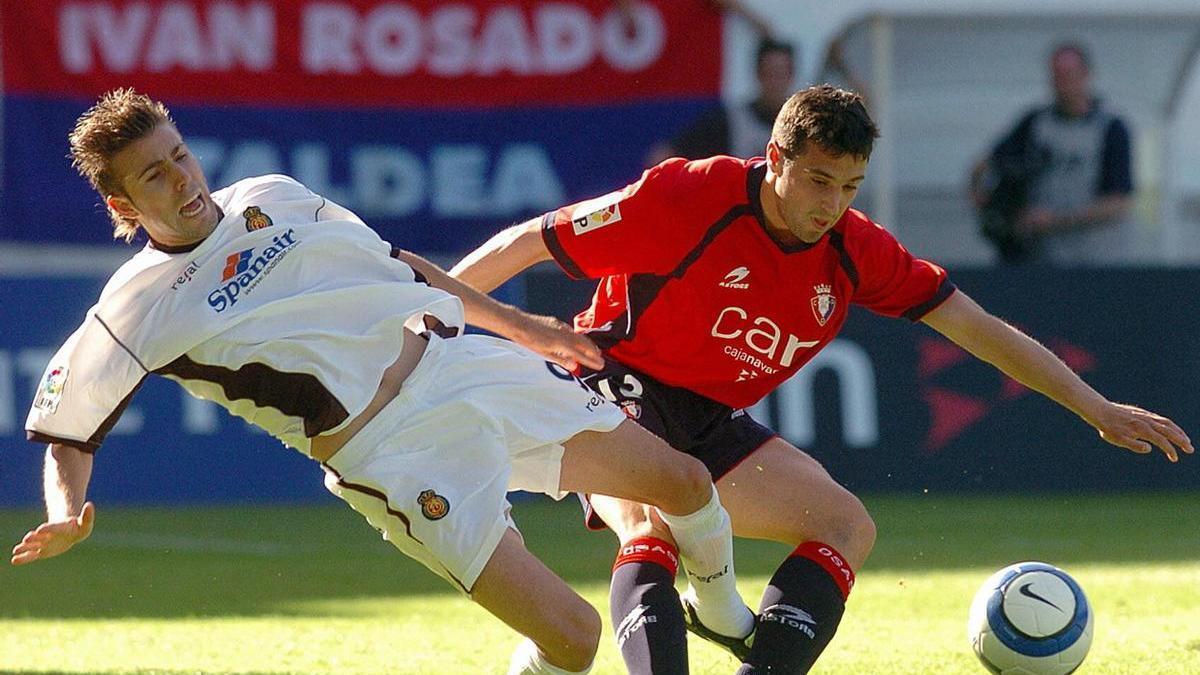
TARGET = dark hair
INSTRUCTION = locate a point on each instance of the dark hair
(835, 119)
(119, 118)
(770, 46)
(1071, 47)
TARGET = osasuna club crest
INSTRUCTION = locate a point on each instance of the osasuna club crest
(823, 303)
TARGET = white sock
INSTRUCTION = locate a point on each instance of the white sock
(528, 660)
(705, 541)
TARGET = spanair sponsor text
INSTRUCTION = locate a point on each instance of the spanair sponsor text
(244, 270)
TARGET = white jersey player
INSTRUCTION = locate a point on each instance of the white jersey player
(290, 312)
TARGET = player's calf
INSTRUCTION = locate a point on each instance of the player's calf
(563, 629)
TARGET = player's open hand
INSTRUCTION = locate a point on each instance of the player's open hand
(1139, 430)
(51, 539)
(556, 342)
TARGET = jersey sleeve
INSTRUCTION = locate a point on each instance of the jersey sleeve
(1116, 173)
(890, 280)
(629, 231)
(84, 390)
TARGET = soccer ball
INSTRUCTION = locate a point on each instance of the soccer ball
(1030, 618)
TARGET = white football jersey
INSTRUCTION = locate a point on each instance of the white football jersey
(286, 315)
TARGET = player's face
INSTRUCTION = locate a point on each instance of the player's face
(811, 191)
(164, 188)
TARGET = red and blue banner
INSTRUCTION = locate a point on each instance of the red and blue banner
(437, 121)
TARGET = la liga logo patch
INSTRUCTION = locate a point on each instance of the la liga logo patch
(596, 213)
(50, 391)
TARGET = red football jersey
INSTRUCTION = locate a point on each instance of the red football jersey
(694, 292)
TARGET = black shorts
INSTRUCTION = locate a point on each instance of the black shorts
(712, 432)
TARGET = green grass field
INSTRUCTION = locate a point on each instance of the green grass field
(313, 590)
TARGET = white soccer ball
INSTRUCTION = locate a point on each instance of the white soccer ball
(1030, 618)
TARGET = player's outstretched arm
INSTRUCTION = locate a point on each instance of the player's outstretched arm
(1025, 360)
(503, 257)
(69, 518)
(545, 335)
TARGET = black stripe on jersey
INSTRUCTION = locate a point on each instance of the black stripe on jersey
(296, 394)
(943, 291)
(92, 444)
(838, 241)
(754, 178)
(122, 344)
(317, 213)
(550, 237)
(694, 255)
(643, 289)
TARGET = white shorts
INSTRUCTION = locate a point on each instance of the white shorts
(477, 417)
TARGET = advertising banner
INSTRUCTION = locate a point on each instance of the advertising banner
(888, 407)
(438, 122)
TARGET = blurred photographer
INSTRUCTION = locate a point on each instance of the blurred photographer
(1056, 189)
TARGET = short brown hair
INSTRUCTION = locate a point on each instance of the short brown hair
(833, 118)
(119, 118)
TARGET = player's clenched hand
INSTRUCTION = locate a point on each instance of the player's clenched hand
(1130, 427)
(51, 539)
(555, 341)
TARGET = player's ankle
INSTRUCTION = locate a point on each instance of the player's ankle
(722, 612)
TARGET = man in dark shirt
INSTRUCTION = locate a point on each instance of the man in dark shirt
(1073, 160)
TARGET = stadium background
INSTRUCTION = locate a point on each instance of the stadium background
(441, 122)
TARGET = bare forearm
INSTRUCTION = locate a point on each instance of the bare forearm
(65, 481)
(502, 257)
(1015, 354)
(1033, 365)
(1099, 212)
(481, 310)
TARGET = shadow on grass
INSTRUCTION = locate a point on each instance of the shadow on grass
(256, 561)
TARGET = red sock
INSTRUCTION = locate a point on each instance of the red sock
(831, 561)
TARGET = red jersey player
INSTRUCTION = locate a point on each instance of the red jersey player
(718, 279)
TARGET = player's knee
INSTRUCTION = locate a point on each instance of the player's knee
(853, 534)
(691, 486)
(863, 527)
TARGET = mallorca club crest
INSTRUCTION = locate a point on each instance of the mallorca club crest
(823, 303)
(433, 505)
(256, 219)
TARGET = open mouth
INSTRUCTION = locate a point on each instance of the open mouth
(193, 207)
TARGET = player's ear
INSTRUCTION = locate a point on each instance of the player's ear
(122, 206)
(775, 158)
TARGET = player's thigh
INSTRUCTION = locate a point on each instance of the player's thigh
(630, 520)
(781, 493)
(517, 588)
(631, 463)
